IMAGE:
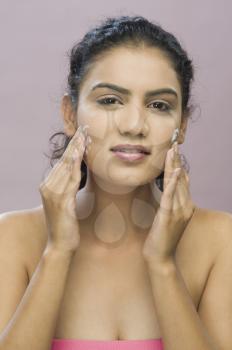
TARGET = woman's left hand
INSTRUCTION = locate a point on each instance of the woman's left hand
(173, 215)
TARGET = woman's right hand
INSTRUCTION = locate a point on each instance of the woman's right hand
(58, 192)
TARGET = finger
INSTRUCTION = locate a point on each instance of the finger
(184, 192)
(172, 162)
(76, 170)
(176, 163)
(187, 180)
(176, 158)
(77, 158)
(66, 155)
(168, 169)
(166, 203)
(181, 194)
(78, 141)
(59, 176)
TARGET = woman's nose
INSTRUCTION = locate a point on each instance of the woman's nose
(132, 120)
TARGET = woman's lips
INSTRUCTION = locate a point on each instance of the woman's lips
(130, 156)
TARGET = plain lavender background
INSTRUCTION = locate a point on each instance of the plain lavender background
(35, 37)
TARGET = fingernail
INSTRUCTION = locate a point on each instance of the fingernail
(78, 132)
(75, 155)
(85, 130)
(87, 141)
(177, 171)
(175, 135)
(83, 134)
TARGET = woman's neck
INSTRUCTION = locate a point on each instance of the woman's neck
(116, 213)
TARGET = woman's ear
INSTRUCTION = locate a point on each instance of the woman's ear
(69, 115)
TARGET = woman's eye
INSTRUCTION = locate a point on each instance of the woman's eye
(166, 106)
(111, 100)
(103, 101)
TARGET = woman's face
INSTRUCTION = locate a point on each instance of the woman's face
(129, 113)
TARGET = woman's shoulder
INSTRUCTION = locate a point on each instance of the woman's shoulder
(23, 220)
(217, 221)
(24, 229)
(211, 227)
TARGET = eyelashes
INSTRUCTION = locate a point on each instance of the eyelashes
(167, 107)
(103, 101)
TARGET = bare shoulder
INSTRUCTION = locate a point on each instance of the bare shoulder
(218, 222)
(25, 230)
(211, 227)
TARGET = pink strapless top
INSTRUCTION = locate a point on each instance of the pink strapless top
(77, 344)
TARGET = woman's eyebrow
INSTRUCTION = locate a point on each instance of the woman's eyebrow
(128, 92)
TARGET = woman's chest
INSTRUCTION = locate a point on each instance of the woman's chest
(111, 299)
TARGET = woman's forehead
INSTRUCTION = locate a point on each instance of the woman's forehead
(143, 68)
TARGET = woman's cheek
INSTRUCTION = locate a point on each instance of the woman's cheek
(98, 121)
(162, 131)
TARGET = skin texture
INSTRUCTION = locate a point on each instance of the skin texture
(116, 189)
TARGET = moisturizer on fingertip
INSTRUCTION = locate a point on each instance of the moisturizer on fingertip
(175, 135)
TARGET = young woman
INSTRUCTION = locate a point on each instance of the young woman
(118, 256)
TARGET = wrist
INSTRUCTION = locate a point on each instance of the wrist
(58, 251)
